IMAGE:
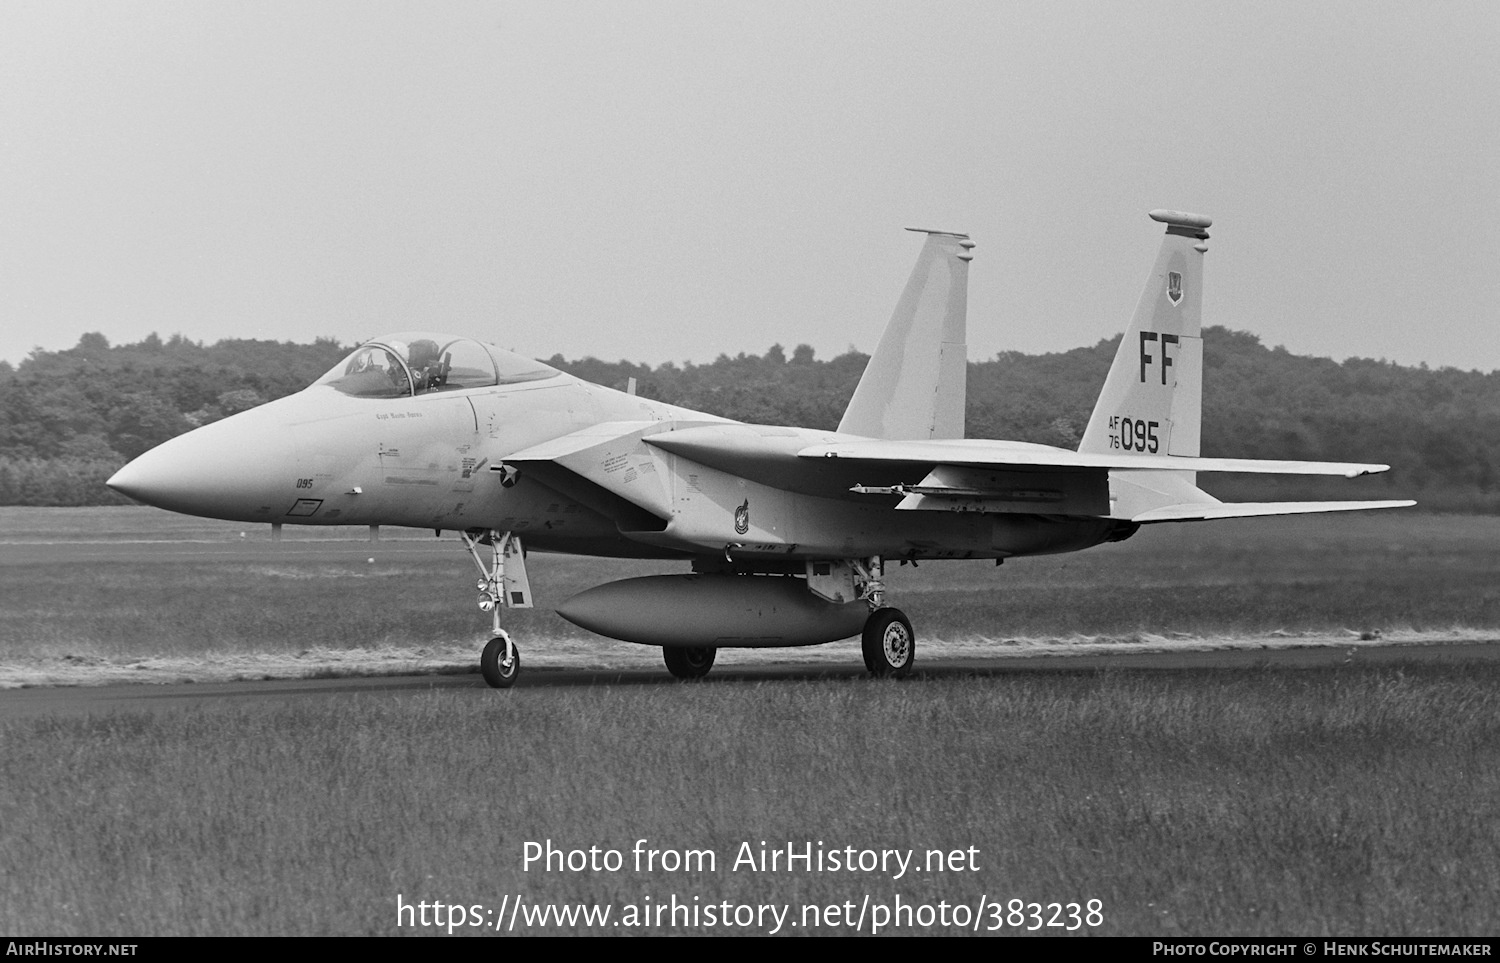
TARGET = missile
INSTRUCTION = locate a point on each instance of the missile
(722, 611)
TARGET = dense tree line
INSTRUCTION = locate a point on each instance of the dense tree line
(69, 418)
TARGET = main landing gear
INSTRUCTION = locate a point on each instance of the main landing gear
(887, 643)
(689, 663)
(503, 585)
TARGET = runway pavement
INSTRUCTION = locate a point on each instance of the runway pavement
(100, 700)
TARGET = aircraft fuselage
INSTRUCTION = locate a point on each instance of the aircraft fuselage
(438, 460)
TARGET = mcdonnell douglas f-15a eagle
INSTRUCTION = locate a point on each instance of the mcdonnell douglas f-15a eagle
(788, 529)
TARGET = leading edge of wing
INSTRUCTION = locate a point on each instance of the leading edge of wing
(1201, 512)
(1022, 455)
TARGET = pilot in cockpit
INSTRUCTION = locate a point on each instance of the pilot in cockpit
(428, 370)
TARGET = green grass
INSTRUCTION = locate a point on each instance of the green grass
(1349, 801)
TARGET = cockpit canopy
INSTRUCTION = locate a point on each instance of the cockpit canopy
(417, 362)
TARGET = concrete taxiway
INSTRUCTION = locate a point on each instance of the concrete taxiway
(111, 699)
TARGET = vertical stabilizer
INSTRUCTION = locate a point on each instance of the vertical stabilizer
(1152, 401)
(914, 384)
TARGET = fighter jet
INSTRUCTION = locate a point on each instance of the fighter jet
(788, 530)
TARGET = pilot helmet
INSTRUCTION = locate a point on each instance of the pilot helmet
(423, 353)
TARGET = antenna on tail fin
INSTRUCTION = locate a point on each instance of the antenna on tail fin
(914, 385)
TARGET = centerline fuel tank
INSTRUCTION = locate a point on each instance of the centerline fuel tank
(722, 611)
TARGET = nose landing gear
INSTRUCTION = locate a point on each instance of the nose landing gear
(503, 585)
(500, 662)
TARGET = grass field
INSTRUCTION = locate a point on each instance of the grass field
(1342, 801)
(1358, 800)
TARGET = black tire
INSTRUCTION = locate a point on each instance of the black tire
(492, 665)
(692, 662)
(888, 643)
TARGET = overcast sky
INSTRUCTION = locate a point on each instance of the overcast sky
(668, 181)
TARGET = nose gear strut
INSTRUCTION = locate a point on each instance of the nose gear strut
(503, 584)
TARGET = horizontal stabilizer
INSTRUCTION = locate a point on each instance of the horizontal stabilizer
(1203, 512)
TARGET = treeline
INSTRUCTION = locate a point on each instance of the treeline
(68, 419)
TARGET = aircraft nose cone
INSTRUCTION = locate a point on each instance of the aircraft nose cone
(132, 481)
(239, 468)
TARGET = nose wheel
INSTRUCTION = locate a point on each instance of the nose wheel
(888, 643)
(504, 585)
(500, 662)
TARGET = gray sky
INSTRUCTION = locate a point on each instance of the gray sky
(658, 181)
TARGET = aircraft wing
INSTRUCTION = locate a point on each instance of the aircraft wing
(1197, 513)
(976, 475)
(1018, 455)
